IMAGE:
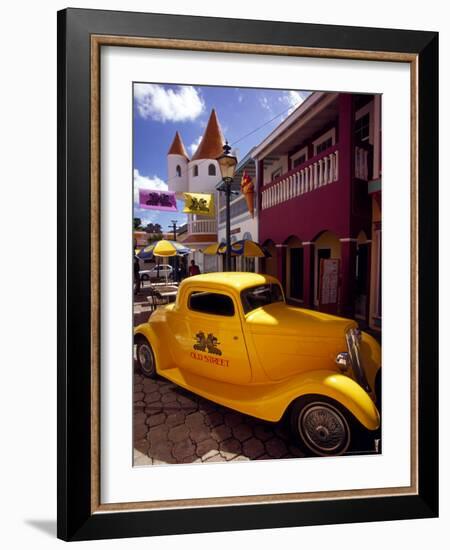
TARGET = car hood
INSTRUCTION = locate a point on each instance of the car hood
(279, 318)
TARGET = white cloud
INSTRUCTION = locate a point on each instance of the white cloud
(148, 183)
(193, 146)
(168, 104)
(264, 102)
(146, 216)
(293, 99)
(144, 182)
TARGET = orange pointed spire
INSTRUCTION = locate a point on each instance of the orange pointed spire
(211, 145)
(177, 147)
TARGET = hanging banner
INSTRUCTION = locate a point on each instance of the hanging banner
(155, 199)
(199, 203)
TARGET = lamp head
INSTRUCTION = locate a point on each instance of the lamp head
(227, 163)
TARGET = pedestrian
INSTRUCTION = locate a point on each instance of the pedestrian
(193, 269)
(137, 277)
(179, 273)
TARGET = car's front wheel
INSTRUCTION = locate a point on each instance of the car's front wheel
(321, 425)
(145, 358)
(145, 277)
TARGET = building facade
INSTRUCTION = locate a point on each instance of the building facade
(199, 174)
(315, 213)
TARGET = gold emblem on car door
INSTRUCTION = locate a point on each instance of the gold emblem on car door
(207, 343)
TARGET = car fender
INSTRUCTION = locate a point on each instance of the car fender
(146, 330)
(371, 358)
(330, 384)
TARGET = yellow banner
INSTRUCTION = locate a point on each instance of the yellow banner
(199, 203)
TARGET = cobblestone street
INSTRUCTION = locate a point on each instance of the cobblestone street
(173, 426)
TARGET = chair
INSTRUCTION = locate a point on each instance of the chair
(155, 298)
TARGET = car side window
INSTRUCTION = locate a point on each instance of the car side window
(212, 303)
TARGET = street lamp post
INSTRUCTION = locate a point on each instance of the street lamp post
(227, 163)
(174, 228)
(173, 225)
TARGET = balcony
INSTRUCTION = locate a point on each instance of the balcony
(321, 170)
(202, 227)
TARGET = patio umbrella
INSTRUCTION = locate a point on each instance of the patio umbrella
(163, 248)
(216, 248)
(248, 249)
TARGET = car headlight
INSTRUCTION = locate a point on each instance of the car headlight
(343, 361)
(353, 338)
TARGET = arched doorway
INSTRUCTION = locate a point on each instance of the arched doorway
(327, 247)
(269, 265)
(294, 268)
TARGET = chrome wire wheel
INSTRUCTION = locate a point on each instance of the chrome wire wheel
(146, 359)
(323, 429)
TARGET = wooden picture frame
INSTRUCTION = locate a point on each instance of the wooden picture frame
(81, 35)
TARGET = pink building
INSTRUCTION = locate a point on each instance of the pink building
(315, 211)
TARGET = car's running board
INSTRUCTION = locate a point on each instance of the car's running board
(261, 401)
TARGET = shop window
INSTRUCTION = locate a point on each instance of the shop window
(298, 161)
(324, 145)
(362, 126)
(276, 174)
(326, 140)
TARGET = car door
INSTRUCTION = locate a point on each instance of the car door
(214, 345)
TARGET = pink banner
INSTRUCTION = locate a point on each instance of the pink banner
(155, 199)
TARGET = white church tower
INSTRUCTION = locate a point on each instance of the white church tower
(177, 170)
(200, 174)
(204, 171)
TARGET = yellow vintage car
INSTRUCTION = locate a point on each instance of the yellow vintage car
(231, 338)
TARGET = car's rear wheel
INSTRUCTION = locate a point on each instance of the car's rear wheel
(321, 425)
(146, 358)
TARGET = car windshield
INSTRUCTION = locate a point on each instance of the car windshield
(261, 295)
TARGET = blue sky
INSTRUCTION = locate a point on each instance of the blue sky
(246, 115)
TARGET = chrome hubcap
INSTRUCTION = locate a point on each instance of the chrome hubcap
(324, 429)
(146, 358)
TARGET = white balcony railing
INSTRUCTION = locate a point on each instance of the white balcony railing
(303, 180)
(202, 226)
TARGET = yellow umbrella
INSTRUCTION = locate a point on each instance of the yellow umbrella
(216, 248)
(247, 248)
(163, 248)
